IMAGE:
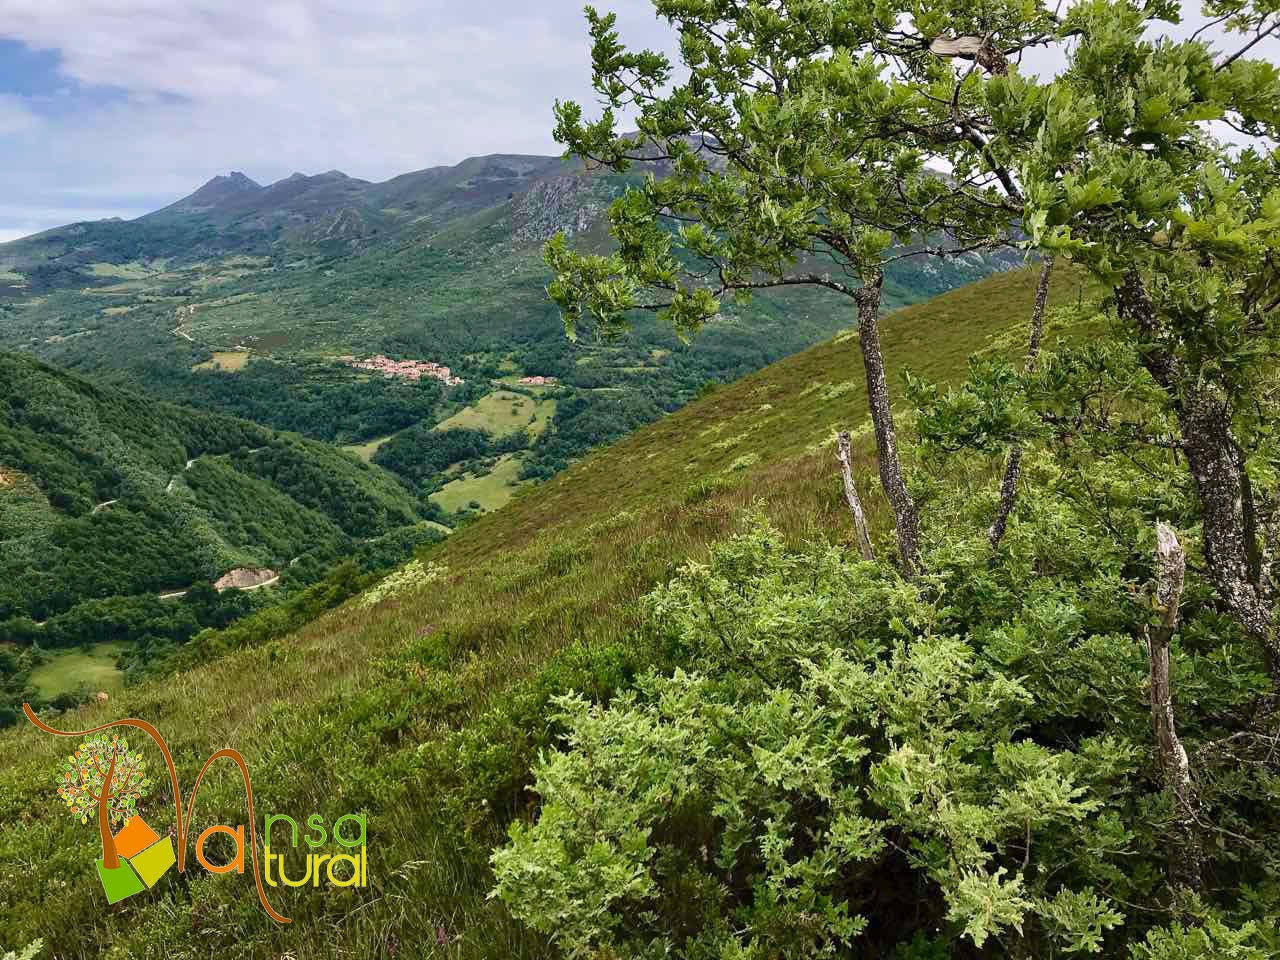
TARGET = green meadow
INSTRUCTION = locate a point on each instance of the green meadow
(503, 413)
(490, 490)
(95, 668)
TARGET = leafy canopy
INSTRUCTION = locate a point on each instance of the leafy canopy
(840, 742)
(796, 143)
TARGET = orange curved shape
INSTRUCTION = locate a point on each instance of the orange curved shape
(181, 824)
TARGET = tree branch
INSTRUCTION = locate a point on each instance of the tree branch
(1262, 35)
(1184, 850)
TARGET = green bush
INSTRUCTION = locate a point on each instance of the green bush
(837, 742)
(705, 488)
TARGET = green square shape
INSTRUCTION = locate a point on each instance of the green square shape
(119, 883)
(152, 862)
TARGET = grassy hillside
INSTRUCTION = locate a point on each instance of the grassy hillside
(421, 703)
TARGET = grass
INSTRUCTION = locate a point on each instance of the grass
(491, 490)
(365, 451)
(67, 670)
(424, 710)
(503, 413)
(229, 361)
(125, 271)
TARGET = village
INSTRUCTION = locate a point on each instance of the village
(404, 369)
(417, 369)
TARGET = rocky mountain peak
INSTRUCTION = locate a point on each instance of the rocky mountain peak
(221, 190)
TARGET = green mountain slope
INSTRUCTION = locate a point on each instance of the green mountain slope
(422, 703)
(107, 493)
(242, 298)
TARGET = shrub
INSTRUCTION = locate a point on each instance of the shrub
(705, 488)
(838, 742)
(413, 574)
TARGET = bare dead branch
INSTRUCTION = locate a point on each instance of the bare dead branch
(845, 456)
(1184, 848)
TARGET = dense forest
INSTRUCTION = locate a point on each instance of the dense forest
(109, 501)
(421, 455)
(320, 400)
(109, 494)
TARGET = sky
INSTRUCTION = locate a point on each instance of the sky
(119, 107)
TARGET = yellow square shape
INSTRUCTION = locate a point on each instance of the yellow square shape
(152, 862)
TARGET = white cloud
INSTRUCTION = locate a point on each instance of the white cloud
(371, 87)
(15, 115)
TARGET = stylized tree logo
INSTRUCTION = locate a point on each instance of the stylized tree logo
(106, 779)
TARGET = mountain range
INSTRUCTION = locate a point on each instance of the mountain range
(243, 298)
(251, 313)
(232, 213)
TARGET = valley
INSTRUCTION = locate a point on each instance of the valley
(122, 518)
(404, 322)
(428, 697)
(246, 299)
(838, 519)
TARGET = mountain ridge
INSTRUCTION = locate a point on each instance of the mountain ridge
(211, 194)
(234, 201)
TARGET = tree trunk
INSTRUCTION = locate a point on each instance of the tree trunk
(906, 516)
(1184, 846)
(1217, 468)
(1013, 467)
(845, 456)
(110, 859)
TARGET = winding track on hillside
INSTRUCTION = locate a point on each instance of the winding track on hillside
(174, 595)
(190, 464)
(169, 489)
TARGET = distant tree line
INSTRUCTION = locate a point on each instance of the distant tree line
(316, 399)
(420, 455)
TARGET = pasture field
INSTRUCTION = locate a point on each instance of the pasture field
(491, 491)
(503, 413)
(228, 361)
(67, 670)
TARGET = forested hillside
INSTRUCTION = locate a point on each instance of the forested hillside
(109, 500)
